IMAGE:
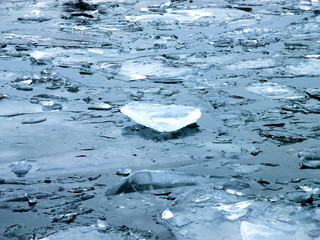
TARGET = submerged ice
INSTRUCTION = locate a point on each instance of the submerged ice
(153, 179)
(163, 118)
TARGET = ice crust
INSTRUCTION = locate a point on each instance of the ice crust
(163, 118)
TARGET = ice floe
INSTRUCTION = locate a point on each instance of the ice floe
(163, 118)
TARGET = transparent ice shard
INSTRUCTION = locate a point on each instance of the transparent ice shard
(20, 168)
(250, 231)
(276, 91)
(234, 211)
(163, 118)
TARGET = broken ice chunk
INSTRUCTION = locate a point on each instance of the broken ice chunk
(250, 231)
(100, 107)
(314, 93)
(166, 214)
(102, 225)
(244, 168)
(310, 158)
(234, 211)
(124, 171)
(253, 64)
(276, 91)
(153, 179)
(306, 68)
(163, 118)
(33, 120)
(51, 106)
(35, 15)
(20, 168)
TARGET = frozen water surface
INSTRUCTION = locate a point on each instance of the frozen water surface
(202, 116)
(251, 231)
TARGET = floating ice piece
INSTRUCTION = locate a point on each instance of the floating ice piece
(124, 171)
(153, 70)
(234, 211)
(253, 64)
(33, 120)
(163, 118)
(166, 214)
(285, 137)
(46, 55)
(314, 93)
(204, 212)
(35, 15)
(244, 168)
(51, 106)
(250, 231)
(98, 233)
(102, 225)
(191, 15)
(100, 107)
(276, 91)
(107, 68)
(307, 68)
(310, 158)
(153, 179)
(2, 96)
(20, 168)
(309, 154)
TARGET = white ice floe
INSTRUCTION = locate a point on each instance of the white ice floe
(250, 231)
(261, 63)
(138, 70)
(307, 68)
(163, 118)
(275, 91)
(166, 214)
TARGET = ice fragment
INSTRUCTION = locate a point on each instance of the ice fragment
(163, 118)
(250, 231)
(20, 168)
(166, 214)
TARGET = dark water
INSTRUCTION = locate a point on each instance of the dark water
(251, 67)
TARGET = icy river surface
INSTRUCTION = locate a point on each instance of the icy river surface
(173, 120)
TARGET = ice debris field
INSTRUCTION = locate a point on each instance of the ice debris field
(159, 119)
